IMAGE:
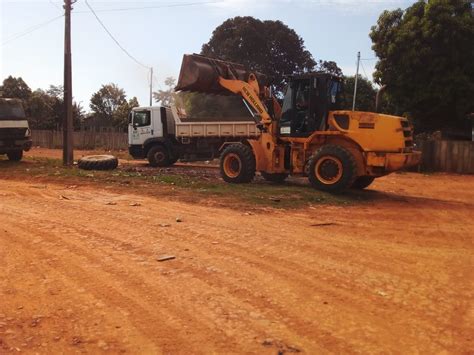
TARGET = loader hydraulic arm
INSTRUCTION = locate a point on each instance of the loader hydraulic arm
(250, 92)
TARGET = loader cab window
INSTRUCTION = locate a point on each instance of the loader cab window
(295, 115)
(141, 119)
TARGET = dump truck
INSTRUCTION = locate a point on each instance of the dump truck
(15, 134)
(162, 136)
(308, 135)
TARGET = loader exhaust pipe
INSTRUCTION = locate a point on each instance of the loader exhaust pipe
(201, 74)
(378, 98)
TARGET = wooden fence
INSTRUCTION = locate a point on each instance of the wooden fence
(448, 156)
(82, 139)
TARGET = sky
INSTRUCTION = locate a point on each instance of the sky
(158, 33)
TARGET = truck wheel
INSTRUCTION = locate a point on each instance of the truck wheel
(15, 155)
(276, 177)
(332, 168)
(237, 164)
(362, 182)
(98, 162)
(158, 156)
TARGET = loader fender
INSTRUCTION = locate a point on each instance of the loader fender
(262, 162)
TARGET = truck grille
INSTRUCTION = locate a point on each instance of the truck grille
(12, 133)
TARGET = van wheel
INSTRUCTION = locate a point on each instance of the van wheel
(98, 162)
(332, 168)
(158, 156)
(15, 155)
(237, 164)
(276, 177)
(362, 182)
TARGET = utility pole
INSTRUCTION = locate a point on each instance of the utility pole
(355, 84)
(151, 86)
(68, 157)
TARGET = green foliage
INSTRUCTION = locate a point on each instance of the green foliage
(44, 109)
(16, 88)
(166, 97)
(269, 47)
(329, 67)
(365, 99)
(110, 107)
(426, 59)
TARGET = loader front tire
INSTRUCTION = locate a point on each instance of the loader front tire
(237, 164)
(332, 168)
(362, 182)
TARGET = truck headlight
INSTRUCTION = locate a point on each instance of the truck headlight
(28, 132)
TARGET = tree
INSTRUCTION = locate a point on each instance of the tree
(42, 110)
(269, 47)
(166, 97)
(16, 88)
(365, 98)
(110, 107)
(426, 59)
(329, 67)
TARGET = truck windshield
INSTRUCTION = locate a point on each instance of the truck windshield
(141, 118)
(11, 110)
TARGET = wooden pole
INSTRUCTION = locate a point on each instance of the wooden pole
(68, 154)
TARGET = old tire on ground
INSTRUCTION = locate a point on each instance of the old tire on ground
(362, 182)
(276, 177)
(15, 155)
(332, 168)
(237, 164)
(98, 162)
(158, 155)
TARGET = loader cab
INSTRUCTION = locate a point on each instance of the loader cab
(306, 104)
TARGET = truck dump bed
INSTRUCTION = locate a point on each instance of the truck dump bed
(217, 129)
(197, 127)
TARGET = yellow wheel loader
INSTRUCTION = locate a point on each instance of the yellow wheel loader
(306, 135)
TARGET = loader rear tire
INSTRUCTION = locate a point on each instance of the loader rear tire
(237, 164)
(362, 182)
(332, 168)
(276, 177)
(98, 162)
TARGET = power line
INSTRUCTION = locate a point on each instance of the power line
(30, 29)
(55, 5)
(115, 40)
(375, 58)
(155, 7)
(363, 69)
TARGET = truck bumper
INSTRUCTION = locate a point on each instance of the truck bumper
(15, 144)
(390, 162)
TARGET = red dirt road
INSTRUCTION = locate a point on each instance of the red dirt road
(79, 272)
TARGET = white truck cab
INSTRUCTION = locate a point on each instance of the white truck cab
(15, 134)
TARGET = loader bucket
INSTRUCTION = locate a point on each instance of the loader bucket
(201, 74)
